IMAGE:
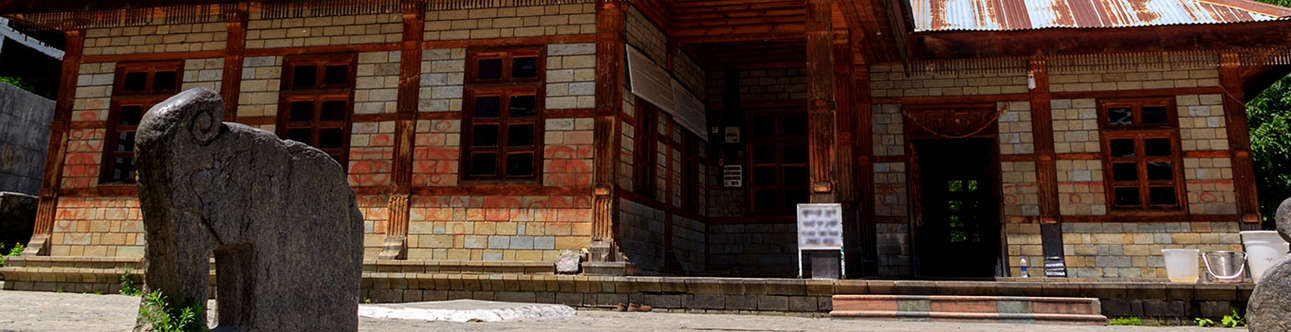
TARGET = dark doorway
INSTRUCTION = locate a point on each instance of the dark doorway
(959, 236)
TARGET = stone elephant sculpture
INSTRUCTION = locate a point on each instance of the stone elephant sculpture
(278, 215)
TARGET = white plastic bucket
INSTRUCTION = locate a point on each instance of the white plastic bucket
(1181, 265)
(1263, 250)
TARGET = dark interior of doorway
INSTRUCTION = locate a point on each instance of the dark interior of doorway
(959, 234)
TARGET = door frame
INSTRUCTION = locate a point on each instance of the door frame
(965, 121)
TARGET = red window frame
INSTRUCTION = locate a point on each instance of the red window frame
(780, 141)
(505, 87)
(122, 98)
(323, 91)
(1139, 132)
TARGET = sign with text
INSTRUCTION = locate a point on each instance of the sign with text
(820, 226)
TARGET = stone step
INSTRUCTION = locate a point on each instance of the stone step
(1012, 309)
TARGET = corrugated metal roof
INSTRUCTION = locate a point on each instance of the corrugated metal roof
(941, 15)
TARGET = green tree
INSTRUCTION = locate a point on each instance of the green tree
(1270, 129)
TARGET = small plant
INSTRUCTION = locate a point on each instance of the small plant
(1132, 321)
(59, 290)
(128, 287)
(166, 318)
(14, 251)
(1204, 322)
(1233, 320)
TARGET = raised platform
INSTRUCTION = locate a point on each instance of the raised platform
(999, 309)
(408, 281)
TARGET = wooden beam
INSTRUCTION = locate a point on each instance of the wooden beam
(234, 48)
(610, 41)
(820, 101)
(845, 146)
(1042, 130)
(1232, 79)
(865, 169)
(396, 241)
(47, 203)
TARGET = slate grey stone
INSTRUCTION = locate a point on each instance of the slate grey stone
(278, 215)
(1269, 308)
(1283, 219)
(569, 261)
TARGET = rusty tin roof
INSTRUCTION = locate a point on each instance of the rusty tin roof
(946, 15)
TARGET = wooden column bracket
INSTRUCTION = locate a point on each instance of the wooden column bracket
(47, 203)
(610, 41)
(396, 242)
(234, 49)
(1232, 80)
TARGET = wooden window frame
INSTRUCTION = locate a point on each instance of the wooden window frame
(321, 92)
(1139, 132)
(646, 152)
(780, 139)
(144, 99)
(690, 180)
(504, 87)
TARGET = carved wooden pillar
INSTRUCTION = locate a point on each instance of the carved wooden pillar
(610, 39)
(868, 233)
(820, 101)
(845, 145)
(396, 242)
(47, 203)
(1233, 82)
(235, 46)
(1046, 166)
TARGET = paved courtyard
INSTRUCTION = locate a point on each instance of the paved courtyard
(43, 311)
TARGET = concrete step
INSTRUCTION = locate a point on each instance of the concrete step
(1011, 309)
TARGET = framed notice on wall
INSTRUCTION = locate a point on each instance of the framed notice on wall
(820, 227)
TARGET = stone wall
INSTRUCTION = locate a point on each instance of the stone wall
(497, 228)
(891, 81)
(323, 31)
(506, 22)
(24, 137)
(161, 38)
(753, 250)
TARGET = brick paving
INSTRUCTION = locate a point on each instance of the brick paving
(44, 311)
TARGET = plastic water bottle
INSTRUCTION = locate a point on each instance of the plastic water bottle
(1023, 264)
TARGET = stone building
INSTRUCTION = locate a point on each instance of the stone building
(676, 137)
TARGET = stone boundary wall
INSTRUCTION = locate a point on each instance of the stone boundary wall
(24, 138)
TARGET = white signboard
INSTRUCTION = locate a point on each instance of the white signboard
(690, 110)
(652, 82)
(820, 226)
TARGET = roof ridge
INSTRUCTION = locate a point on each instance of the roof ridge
(1252, 6)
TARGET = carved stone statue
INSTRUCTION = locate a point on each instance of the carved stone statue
(1269, 308)
(278, 216)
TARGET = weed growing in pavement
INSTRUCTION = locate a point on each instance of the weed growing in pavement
(1132, 321)
(1204, 322)
(128, 287)
(1233, 320)
(166, 318)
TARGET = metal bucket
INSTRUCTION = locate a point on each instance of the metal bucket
(1225, 266)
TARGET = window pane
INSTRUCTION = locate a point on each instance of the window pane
(524, 67)
(1125, 172)
(484, 164)
(1127, 196)
(125, 141)
(1156, 147)
(520, 164)
(520, 135)
(764, 176)
(164, 81)
(301, 111)
(489, 69)
(1160, 171)
(135, 82)
(521, 106)
(300, 135)
(795, 154)
(329, 138)
(1162, 196)
(1120, 116)
(763, 126)
(485, 135)
(333, 111)
(122, 168)
(130, 115)
(795, 176)
(1122, 148)
(486, 107)
(795, 196)
(304, 77)
(337, 75)
(764, 200)
(795, 123)
(763, 154)
(1155, 115)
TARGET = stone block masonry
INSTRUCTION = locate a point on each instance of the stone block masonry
(1015, 128)
(371, 153)
(97, 227)
(497, 228)
(571, 77)
(203, 73)
(1075, 125)
(323, 31)
(507, 22)
(165, 38)
(443, 72)
(567, 152)
(1133, 73)
(891, 81)
(258, 95)
(376, 83)
(750, 250)
(437, 153)
(1133, 250)
(1021, 196)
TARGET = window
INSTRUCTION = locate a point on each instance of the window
(136, 88)
(502, 116)
(647, 143)
(692, 184)
(1141, 158)
(777, 159)
(315, 103)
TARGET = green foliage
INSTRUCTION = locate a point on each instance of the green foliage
(18, 82)
(1132, 321)
(1233, 320)
(164, 317)
(128, 287)
(14, 251)
(1204, 322)
(1270, 128)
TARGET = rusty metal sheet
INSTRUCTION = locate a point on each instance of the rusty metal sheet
(944, 15)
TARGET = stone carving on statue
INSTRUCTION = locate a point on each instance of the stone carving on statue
(278, 215)
(1269, 308)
